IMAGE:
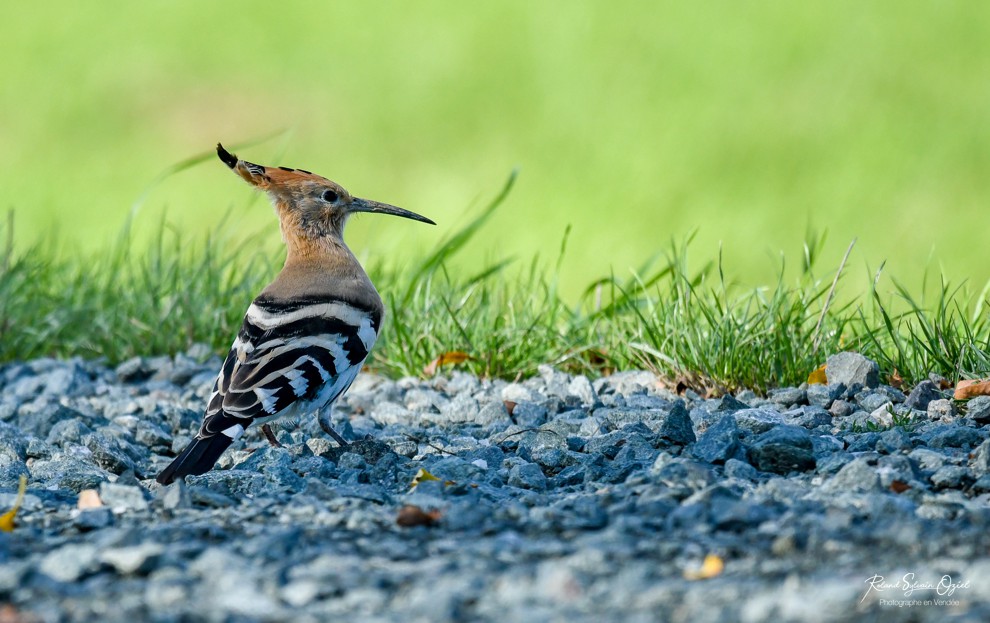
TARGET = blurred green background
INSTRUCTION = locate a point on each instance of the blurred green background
(633, 122)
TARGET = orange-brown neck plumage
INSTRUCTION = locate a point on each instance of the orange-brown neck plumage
(320, 238)
(312, 212)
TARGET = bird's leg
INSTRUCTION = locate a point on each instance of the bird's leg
(323, 417)
(270, 436)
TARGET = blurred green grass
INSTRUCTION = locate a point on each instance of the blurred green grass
(689, 326)
(633, 122)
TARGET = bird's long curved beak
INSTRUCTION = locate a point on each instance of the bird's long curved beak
(366, 205)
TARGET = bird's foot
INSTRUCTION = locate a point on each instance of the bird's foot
(270, 436)
(324, 420)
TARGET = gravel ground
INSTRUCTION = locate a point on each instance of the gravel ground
(556, 499)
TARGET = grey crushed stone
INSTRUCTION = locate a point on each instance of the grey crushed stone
(558, 497)
(852, 369)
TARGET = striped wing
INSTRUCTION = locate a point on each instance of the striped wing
(289, 352)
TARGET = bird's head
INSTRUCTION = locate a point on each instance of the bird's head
(308, 205)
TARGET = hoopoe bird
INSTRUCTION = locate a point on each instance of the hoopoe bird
(304, 338)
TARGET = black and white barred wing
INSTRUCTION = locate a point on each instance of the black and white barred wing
(288, 354)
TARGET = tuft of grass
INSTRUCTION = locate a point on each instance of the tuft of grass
(951, 336)
(687, 324)
(120, 303)
(509, 324)
(902, 421)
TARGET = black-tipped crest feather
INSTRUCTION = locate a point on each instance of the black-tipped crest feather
(228, 158)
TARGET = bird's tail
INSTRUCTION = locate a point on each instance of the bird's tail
(198, 458)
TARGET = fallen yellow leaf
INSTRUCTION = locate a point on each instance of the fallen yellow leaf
(712, 566)
(454, 356)
(422, 476)
(7, 519)
(818, 377)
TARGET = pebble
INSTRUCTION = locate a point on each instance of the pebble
(123, 498)
(721, 442)
(893, 441)
(824, 395)
(69, 563)
(556, 497)
(94, 518)
(857, 475)
(758, 420)
(951, 477)
(882, 415)
(808, 417)
(527, 476)
(980, 459)
(978, 409)
(922, 395)
(782, 450)
(941, 410)
(956, 437)
(673, 425)
(852, 369)
(133, 559)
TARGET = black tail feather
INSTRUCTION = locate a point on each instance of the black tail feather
(198, 458)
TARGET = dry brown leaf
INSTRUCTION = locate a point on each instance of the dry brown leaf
(971, 388)
(410, 516)
(715, 391)
(10, 614)
(510, 406)
(89, 498)
(896, 380)
(7, 519)
(448, 358)
(711, 567)
(422, 476)
(817, 377)
(899, 486)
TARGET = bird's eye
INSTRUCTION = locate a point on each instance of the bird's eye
(330, 196)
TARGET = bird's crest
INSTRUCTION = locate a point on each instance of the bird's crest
(266, 178)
